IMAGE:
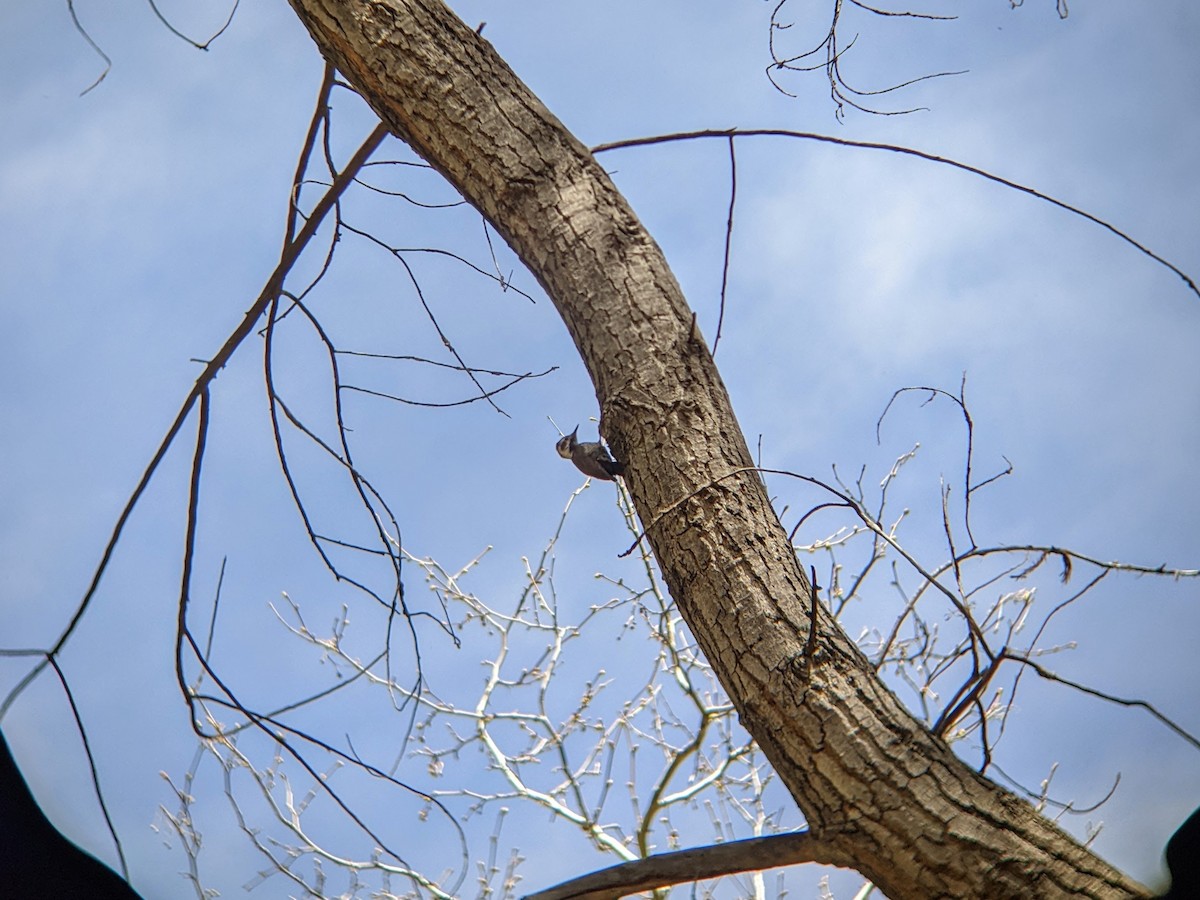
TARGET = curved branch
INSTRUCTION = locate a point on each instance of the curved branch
(695, 864)
(907, 151)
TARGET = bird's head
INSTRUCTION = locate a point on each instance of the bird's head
(566, 444)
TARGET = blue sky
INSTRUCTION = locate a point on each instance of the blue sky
(142, 219)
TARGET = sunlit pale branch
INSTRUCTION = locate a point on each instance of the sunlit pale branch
(288, 814)
(708, 769)
(184, 827)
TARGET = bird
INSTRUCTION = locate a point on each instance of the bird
(590, 457)
(36, 860)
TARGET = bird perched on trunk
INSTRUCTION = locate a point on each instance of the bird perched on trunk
(590, 457)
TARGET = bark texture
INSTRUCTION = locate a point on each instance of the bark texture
(881, 794)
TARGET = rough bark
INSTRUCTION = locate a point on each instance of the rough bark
(880, 793)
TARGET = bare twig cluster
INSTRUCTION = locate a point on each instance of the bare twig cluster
(827, 56)
(833, 48)
(973, 625)
(623, 759)
(626, 759)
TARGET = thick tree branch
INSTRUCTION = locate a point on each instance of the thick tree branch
(684, 866)
(880, 793)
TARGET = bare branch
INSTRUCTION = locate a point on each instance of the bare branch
(907, 151)
(686, 866)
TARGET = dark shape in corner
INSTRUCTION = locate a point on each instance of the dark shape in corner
(36, 861)
(591, 457)
(1183, 860)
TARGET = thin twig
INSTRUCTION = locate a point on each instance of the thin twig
(725, 134)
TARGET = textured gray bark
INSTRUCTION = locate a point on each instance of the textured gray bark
(881, 795)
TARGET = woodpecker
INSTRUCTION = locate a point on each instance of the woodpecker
(590, 458)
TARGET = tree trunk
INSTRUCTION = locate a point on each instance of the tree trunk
(880, 793)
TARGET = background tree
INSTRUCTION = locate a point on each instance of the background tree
(487, 445)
